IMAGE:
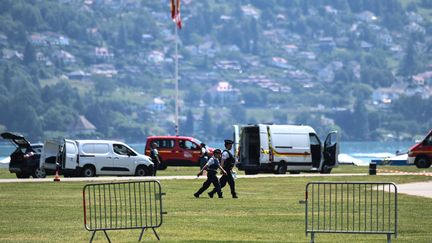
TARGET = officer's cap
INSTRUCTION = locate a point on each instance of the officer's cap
(217, 151)
(228, 141)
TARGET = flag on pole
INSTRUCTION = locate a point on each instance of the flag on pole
(175, 12)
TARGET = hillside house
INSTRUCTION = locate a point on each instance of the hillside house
(63, 56)
(158, 105)
(81, 126)
(103, 53)
(78, 75)
(223, 94)
(12, 54)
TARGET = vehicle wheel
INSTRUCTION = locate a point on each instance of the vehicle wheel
(88, 171)
(19, 175)
(282, 168)
(162, 166)
(142, 171)
(422, 162)
(39, 173)
(326, 170)
(294, 172)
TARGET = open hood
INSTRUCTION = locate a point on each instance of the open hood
(17, 139)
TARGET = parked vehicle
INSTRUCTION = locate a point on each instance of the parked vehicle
(24, 161)
(90, 158)
(176, 150)
(421, 153)
(282, 148)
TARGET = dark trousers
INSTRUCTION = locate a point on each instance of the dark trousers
(211, 179)
(223, 181)
(156, 165)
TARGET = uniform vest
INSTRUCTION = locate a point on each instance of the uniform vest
(229, 162)
(215, 165)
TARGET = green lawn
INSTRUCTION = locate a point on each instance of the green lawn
(267, 211)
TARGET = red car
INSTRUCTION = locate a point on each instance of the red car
(176, 150)
(421, 153)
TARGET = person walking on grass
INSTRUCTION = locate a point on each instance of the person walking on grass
(154, 155)
(227, 163)
(212, 166)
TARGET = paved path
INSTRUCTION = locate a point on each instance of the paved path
(423, 189)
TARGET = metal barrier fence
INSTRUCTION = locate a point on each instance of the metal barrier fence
(351, 207)
(122, 205)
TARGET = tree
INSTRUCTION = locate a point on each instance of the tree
(409, 64)
(238, 113)
(29, 54)
(104, 85)
(360, 122)
(122, 37)
(188, 126)
(207, 125)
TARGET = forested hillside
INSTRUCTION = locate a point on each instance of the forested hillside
(105, 69)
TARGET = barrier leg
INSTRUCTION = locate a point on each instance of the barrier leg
(157, 236)
(142, 232)
(91, 239)
(388, 238)
(312, 238)
(106, 235)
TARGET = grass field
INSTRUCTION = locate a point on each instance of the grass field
(267, 211)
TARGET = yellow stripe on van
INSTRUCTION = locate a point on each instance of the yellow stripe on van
(276, 153)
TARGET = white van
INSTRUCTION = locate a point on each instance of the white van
(90, 158)
(282, 148)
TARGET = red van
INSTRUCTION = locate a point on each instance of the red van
(421, 153)
(176, 150)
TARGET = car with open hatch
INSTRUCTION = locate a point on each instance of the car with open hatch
(24, 160)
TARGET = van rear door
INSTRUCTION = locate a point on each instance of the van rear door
(331, 150)
(70, 154)
(236, 139)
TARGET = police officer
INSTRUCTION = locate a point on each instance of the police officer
(203, 155)
(212, 165)
(228, 164)
(154, 155)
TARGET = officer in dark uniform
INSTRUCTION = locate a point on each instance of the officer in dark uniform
(154, 155)
(228, 164)
(203, 155)
(212, 165)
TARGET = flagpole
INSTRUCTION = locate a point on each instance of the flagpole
(176, 84)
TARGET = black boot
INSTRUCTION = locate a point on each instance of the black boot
(196, 195)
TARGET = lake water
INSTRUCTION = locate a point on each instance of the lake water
(364, 151)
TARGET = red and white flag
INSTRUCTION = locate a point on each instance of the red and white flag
(175, 12)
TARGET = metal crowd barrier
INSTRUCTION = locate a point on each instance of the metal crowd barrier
(351, 207)
(122, 205)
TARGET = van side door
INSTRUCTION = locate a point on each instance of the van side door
(70, 154)
(123, 160)
(189, 152)
(331, 149)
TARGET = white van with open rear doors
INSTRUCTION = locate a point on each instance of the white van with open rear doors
(90, 158)
(282, 148)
